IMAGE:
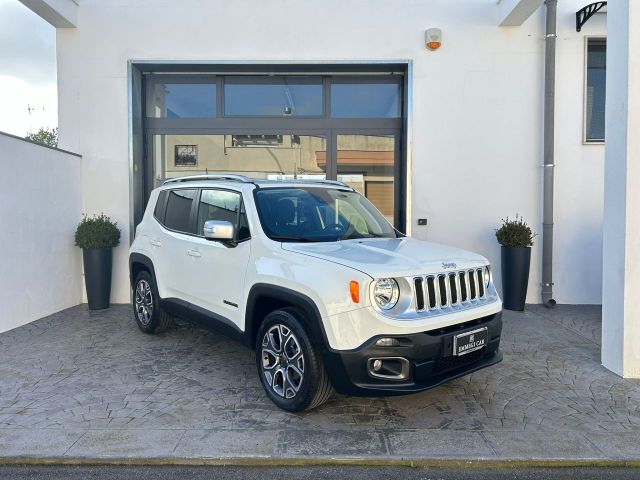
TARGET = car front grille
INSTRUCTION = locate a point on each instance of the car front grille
(448, 289)
(447, 364)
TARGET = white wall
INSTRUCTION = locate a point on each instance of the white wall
(579, 171)
(40, 198)
(477, 108)
(620, 309)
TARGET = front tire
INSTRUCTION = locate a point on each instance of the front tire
(150, 318)
(290, 368)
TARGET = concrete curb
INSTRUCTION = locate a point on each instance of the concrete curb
(319, 461)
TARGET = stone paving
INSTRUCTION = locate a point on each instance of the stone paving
(83, 384)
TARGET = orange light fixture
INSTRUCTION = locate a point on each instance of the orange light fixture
(433, 38)
(354, 290)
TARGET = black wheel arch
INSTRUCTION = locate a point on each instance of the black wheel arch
(137, 263)
(264, 298)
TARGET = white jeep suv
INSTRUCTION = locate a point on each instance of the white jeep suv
(316, 280)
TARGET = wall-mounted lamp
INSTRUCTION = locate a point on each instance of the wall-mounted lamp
(433, 38)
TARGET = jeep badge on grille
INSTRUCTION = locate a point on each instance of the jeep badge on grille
(449, 265)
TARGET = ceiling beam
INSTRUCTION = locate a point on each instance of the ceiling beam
(513, 13)
(59, 13)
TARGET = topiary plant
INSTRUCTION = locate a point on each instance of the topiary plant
(515, 233)
(97, 232)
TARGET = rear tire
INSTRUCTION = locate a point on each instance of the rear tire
(149, 317)
(289, 366)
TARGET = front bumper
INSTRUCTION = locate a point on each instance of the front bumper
(429, 354)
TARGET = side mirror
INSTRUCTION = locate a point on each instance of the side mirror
(218, 230)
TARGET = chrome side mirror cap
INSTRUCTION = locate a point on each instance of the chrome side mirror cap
(218, 230)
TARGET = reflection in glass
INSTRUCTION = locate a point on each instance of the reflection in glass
(259, 156)
(273, 97)
(178, 210)
(366, 163)
(182, 100)
(596, 89)
(217, 205)
(365, 100)
(312, 214)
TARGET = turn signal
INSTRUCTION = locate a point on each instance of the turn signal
(354, 290)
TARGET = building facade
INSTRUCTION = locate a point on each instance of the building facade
(151, 89)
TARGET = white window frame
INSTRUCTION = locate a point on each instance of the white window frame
(584, 90)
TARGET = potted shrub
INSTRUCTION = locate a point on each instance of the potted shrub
(516, 239)
(97, 236)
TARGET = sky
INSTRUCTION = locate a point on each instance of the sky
(27, 70)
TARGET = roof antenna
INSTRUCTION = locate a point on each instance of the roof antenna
(206, 171)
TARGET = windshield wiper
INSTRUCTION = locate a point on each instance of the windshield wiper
(361, 236)
(284, 238)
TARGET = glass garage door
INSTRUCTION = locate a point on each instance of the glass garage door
(367, 163)
(270, 156)
(340, 127)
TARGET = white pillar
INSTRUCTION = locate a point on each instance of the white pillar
(621, 255)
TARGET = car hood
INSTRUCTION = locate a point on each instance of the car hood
(398, 257)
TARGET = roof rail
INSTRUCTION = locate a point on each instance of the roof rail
(218, 176)
(244, 179)
(329, 182)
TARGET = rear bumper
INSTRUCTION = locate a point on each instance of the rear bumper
(429, 356)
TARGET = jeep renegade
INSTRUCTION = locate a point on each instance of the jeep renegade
(313, 277)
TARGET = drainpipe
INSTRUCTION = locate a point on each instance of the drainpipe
(549, 100)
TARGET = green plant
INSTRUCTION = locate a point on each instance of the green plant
(44, 136)
(515, 233)
(97, 232)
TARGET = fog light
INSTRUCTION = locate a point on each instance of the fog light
(387, 342)
(389, 368)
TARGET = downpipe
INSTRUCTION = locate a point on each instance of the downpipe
(549, 161)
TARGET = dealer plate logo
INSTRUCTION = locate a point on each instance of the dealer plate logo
(470, 341)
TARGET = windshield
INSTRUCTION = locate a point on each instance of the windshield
(316, 214)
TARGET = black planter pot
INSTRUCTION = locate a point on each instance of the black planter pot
(97, 276)
(515, 276)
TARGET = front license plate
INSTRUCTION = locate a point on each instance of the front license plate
(470, 341)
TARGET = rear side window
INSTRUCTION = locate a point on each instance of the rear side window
(160, 204)
(178, 213)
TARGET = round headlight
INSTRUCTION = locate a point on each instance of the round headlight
(385, 293)
(487, 276)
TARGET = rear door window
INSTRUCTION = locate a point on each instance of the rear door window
(178, 212)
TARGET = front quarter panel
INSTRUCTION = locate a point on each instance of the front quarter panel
(325, 283)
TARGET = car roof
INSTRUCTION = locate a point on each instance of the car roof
(238, 180)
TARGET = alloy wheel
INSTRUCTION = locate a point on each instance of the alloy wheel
(144, 302)
(282, 361)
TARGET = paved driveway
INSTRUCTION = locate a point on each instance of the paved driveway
(81, 384)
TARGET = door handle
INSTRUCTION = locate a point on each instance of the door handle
(193, 253)
(155, 243)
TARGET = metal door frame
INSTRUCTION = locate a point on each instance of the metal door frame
(325, 126)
